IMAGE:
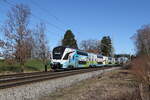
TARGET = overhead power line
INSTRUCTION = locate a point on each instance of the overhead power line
(51, 24)
(48, 12)
(10, 4)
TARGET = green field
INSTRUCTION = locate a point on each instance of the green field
(30, 65)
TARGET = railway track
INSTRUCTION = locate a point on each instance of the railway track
(7, 81)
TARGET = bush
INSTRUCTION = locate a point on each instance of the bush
(141, 68)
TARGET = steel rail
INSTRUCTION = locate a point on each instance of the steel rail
(37, 78)
(30, 73)
(35, 75)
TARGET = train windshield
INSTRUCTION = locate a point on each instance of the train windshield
(100, 56)
(58, 52)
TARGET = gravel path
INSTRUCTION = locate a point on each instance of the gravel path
(116, 85)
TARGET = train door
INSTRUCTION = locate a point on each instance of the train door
(75, 57)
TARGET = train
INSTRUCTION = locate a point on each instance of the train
(68, 58)
(122, 60)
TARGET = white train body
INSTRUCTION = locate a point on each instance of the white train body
(63, 58)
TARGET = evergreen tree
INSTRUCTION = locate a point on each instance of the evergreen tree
(69, 40)
(106, 46)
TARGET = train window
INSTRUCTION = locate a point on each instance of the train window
(67, 55)
(82, 62)
(82, 53)
(99, 56)
(73, 57)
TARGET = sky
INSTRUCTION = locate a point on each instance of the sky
(88, 19)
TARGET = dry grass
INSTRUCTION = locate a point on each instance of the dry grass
(115, 85)
(141, 68)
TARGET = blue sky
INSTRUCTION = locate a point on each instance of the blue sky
(88, 19)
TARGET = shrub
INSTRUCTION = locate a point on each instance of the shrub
(141, 68)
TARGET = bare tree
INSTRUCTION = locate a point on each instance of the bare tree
(92, 46)
(142, 40)
(30, 45)
(141, 65)
(17, 33)
(1, 46)
(1, 43)
(41, 44)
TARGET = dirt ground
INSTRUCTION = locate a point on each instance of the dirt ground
(115, 85)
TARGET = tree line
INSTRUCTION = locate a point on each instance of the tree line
(22, 43)
(103, 46)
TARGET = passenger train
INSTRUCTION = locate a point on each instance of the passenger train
(64, 58)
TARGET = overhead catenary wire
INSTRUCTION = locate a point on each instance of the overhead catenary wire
(48, 13)
(52, 15)
(38, 18)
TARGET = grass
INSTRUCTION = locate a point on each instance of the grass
(34, 64)
(5, 67)
(30, 65)
(115, 85)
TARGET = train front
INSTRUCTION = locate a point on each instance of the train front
(57, 55)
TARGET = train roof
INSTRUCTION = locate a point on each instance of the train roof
(63, 47)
